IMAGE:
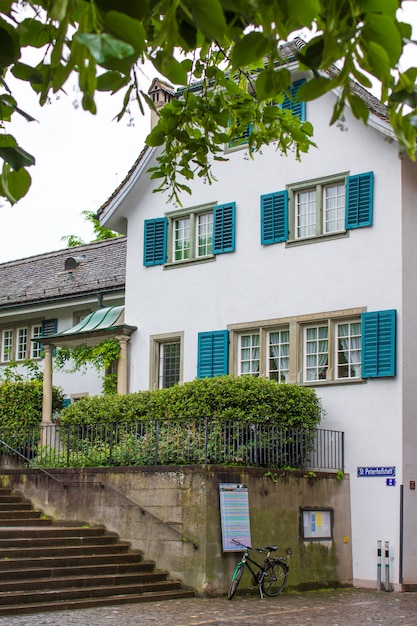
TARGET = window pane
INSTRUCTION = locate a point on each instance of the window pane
(182, 239)
(334, 208)
(169, 364)
(22, 342)
(7, 345)
(349, 354)
(36, 346)
(204, 234)
(305, 210)
(249, 354)
(316, 352)
(279, 359)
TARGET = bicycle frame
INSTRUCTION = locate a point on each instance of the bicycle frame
(246, 560)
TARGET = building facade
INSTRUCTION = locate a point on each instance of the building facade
(304, 272)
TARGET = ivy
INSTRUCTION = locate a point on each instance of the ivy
(100, 356)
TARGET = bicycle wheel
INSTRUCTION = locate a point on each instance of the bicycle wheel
(237, 575)
(274, 579)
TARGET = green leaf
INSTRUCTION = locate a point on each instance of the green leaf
(35, 33)
(250, 49)
(381, 29)
(16, 157)
(7, 141)
(271, 83)
(104, 47)
(378, 61)
(156, 137)
(58, 9)
(28, 73)
(111, 81)
(314, 88)
(359, 108)
(9, 44)
(14, 185)
(126, 29)
(172, 69)
(209, 18)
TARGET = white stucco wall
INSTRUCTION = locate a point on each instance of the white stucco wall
(258, 282)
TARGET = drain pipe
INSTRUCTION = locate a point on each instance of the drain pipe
(378, 564)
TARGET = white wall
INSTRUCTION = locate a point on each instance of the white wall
(261, 282)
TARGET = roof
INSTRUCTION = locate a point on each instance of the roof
(288, 54)
(103, 319)
(88, 269)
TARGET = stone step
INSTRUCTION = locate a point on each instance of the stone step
(92, 591)
(135, 566)
(63, 550)
(68, 542)
(87, 603)
(70, 560)
(88, 580)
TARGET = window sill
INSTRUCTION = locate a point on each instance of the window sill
(317, 239)
(174, 264)
(332, 383)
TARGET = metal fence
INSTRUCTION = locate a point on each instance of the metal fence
(176, 442)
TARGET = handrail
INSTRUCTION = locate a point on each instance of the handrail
(184, 538)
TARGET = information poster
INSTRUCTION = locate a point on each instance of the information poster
(234, 513)
(317, 525)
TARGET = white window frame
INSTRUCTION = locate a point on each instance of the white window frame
(36, 347)
(319, 206)
(250, 354)
(157, 346)
(185, 227)
(281, 360)
(21, 343)
(7, 344)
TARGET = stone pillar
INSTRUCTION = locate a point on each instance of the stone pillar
(122, 366)
(47, 393)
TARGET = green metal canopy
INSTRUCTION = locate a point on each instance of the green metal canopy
(103, 319)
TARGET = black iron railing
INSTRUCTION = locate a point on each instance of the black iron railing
(177, 442)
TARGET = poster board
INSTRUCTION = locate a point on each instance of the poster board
(234, 515)
(316, 524)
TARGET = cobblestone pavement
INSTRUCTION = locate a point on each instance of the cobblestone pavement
(347, 607)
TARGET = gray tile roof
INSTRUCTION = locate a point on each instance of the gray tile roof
(96, 268)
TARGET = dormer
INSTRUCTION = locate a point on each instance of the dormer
(160, 93)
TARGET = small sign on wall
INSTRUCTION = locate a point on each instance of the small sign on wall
(234, 513)
(317, 524)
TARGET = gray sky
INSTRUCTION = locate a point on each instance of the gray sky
(80, 160)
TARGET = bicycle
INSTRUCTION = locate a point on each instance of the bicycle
(271, 576)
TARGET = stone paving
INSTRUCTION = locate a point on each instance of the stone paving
(346, 607)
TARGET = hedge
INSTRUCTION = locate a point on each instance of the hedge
(226, 397)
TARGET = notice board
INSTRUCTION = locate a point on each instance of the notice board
(234, 514)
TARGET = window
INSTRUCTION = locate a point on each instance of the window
(169, 364)
(190, 235)
(249, 354)
(334, 347)
(166, 367)
(279, 355)
(22, 344)
(36, 345)
(7, 346)
(317, 208)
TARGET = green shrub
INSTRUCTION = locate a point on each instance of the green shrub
(21, 403)
(238, 398)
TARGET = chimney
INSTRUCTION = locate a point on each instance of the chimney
(160, 93)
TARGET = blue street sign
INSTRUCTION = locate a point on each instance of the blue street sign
(390, 482)
(372, 472)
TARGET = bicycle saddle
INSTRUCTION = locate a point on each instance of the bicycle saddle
(271, 548)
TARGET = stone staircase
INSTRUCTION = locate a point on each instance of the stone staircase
(52, 566)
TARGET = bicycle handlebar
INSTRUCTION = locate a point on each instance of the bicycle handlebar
(262, 550)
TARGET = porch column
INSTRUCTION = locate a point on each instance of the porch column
(122, 366)
(47, 384)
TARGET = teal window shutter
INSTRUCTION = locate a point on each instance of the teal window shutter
(213, 354)
(224, 228)
(155, 241)
(359, 200)
(49, 327)
(241, 139)
(378, 344)
(274, 217)
(298, 108)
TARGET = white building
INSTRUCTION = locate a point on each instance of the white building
(303, 272)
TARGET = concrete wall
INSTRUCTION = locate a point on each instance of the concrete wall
(187, 498)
